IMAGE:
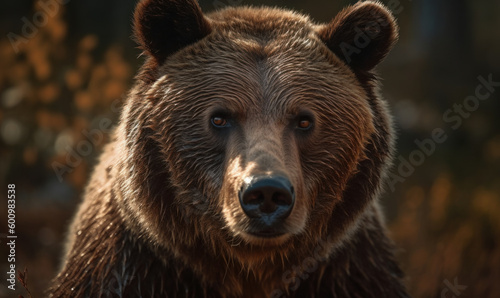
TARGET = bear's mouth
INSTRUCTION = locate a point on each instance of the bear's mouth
(267, 233)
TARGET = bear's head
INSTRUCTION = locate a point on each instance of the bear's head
(254, 133)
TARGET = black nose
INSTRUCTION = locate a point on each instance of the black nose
(269, 198)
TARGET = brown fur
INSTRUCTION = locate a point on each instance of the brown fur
(161, 215)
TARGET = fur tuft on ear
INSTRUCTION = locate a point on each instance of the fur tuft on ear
(361, 35)
(163, 27)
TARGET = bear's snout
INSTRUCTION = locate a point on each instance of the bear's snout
(267, 201)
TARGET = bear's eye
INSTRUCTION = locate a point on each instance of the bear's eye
(304, 123)
(219, 122)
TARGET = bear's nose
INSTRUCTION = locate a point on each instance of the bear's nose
(269, 198)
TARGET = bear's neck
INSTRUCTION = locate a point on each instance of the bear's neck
(364, 266)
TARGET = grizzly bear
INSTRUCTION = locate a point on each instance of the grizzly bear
(248, 161)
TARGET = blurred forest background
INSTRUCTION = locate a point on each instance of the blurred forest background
(74, 69)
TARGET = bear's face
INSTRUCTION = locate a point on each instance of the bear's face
(257, 117)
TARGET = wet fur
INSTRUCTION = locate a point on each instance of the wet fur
(159, 216)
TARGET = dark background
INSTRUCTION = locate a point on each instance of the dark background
(444, 217)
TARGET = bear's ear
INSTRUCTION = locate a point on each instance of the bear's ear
(361, 34)
(163, 27)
